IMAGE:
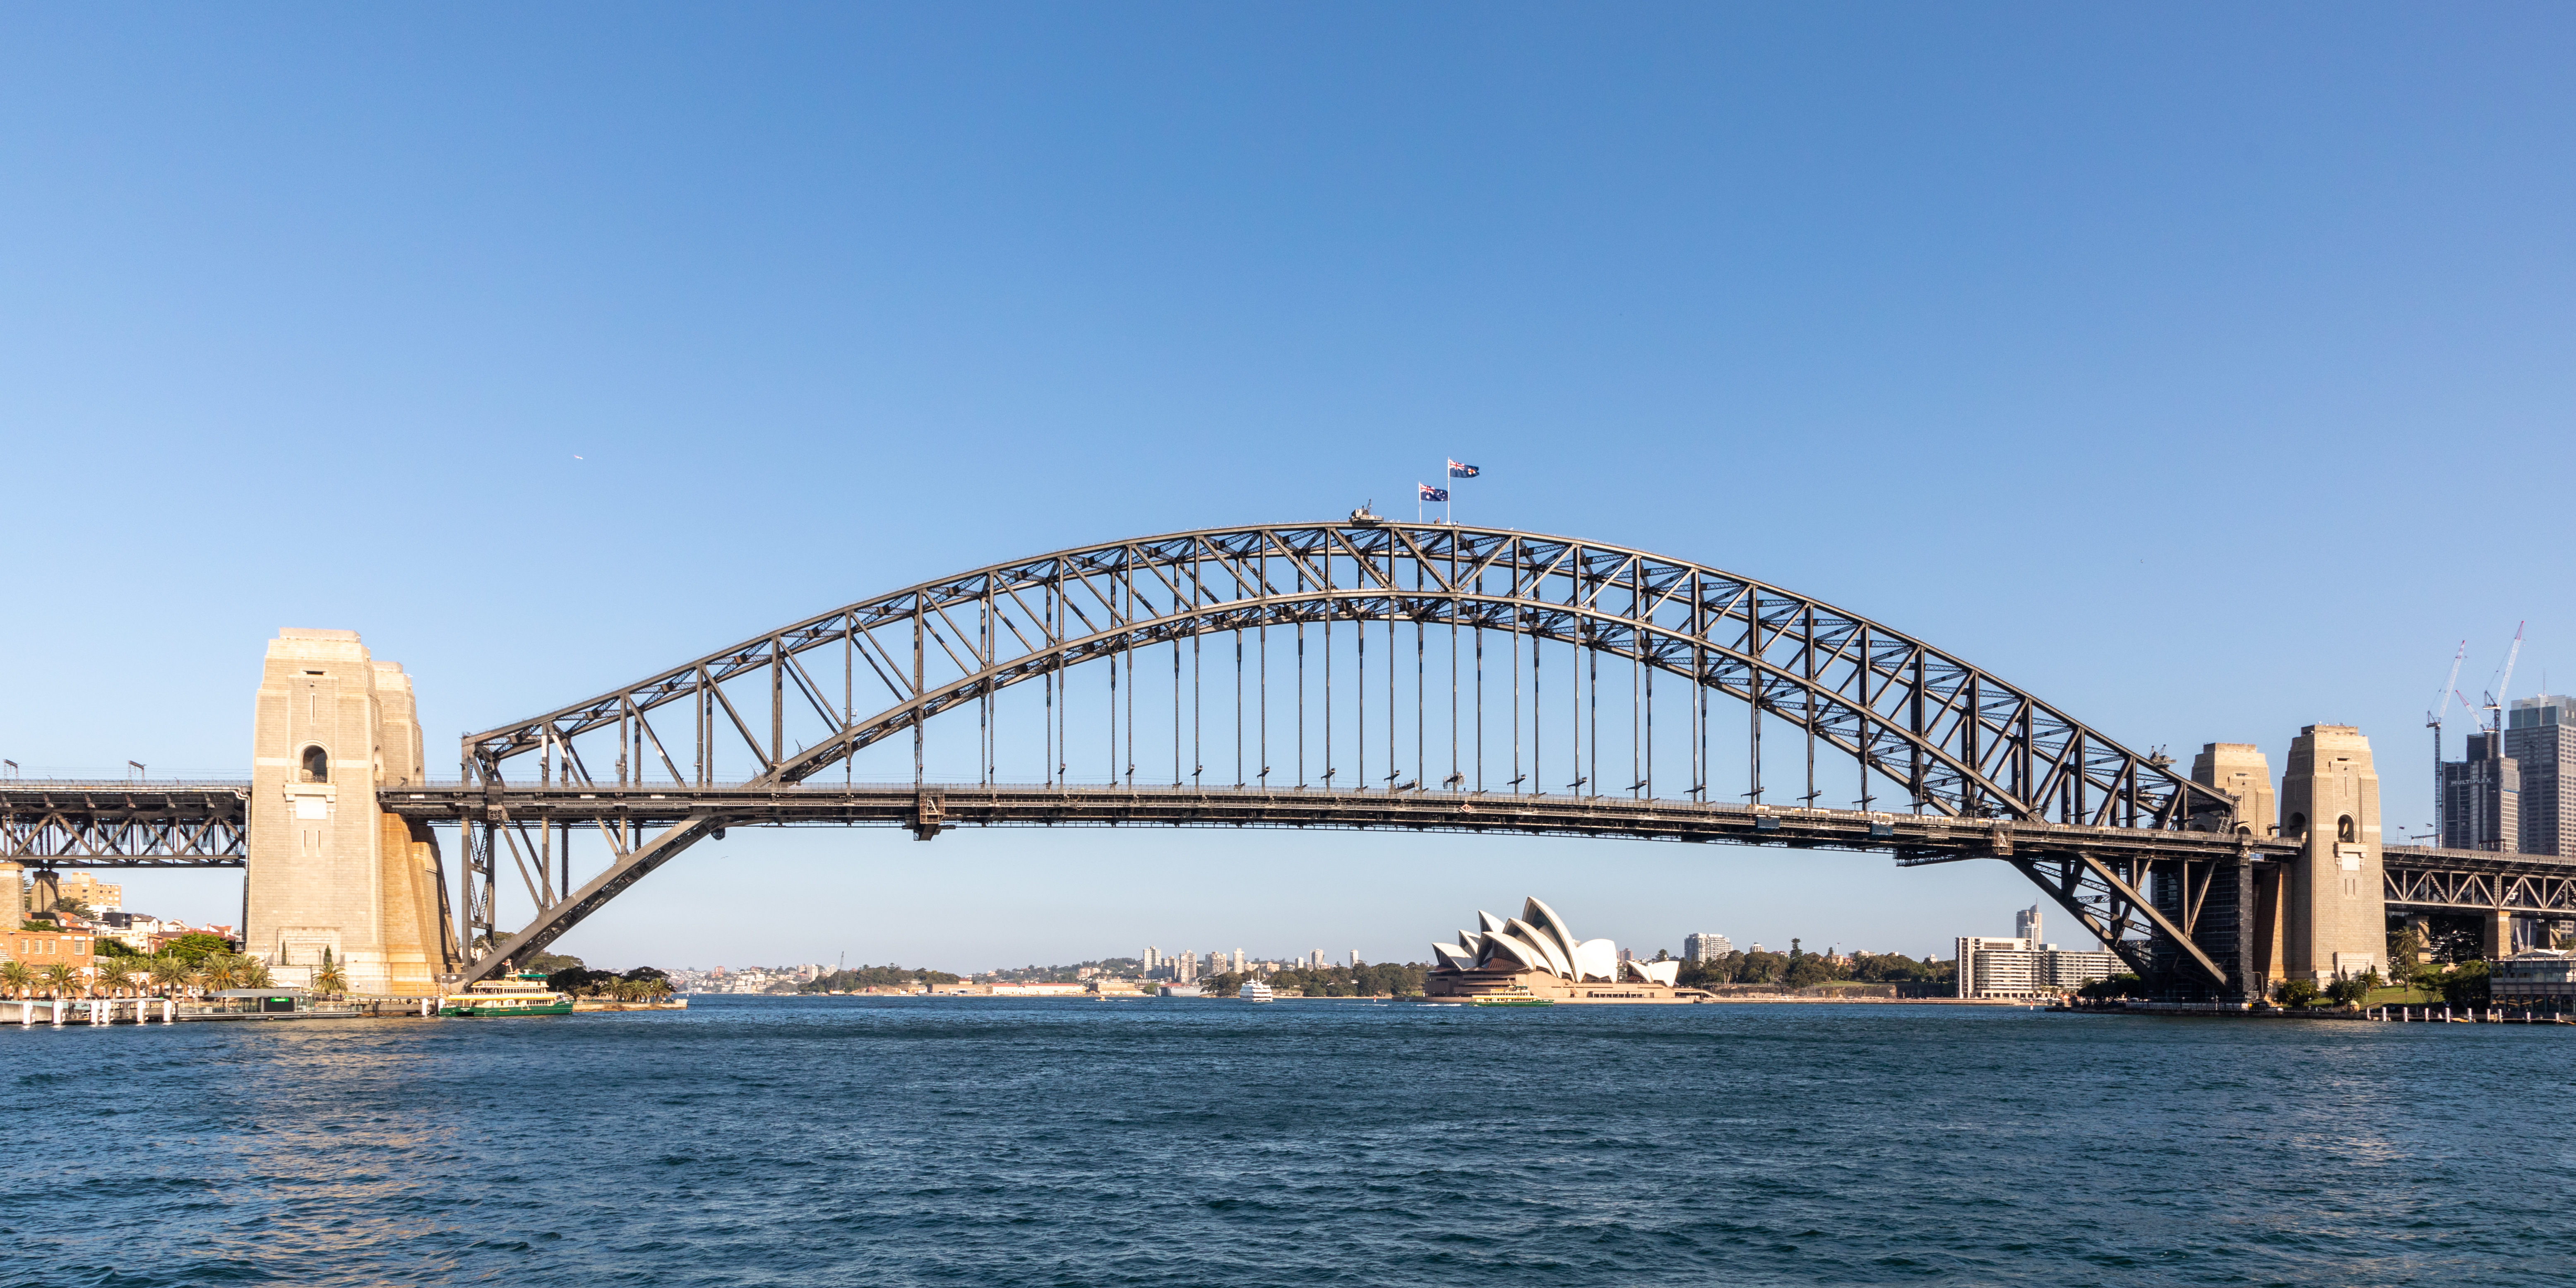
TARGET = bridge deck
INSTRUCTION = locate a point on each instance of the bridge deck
(200, 824)
(1914, 838)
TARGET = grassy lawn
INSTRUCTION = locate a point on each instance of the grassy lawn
(2402, 997)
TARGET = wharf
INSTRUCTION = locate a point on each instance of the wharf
(55, 1012)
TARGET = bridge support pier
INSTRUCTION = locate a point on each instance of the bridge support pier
(2252, 949)
(2495, 933)
(326, 870)
(2337, 911)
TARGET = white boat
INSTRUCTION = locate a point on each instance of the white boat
(1254, 991)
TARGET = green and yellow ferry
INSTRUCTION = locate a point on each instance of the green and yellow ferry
(523, 994)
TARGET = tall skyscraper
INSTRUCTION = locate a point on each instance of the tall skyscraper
(1153, 959)
(1355, 959)
(2482, 798)
(2540, 739)
(2026, 925)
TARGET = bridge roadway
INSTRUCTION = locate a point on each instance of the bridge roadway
(114, 824)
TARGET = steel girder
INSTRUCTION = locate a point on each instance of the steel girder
(1961, 742)
(124, 825)
(2465, 885)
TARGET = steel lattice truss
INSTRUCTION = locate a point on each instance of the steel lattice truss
(124, 825)
(2477, 881)
(1939, 735)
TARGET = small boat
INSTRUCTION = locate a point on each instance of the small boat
(523, 994)
(1513, 1001)
(1254, 991)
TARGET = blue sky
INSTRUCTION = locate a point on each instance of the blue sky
(2204, 369)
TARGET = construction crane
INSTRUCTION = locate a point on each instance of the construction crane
(2504, 679)
(2433, 721)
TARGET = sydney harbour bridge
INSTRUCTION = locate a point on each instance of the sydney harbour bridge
(1356, 674)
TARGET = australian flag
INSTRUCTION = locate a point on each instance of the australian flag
(1430, 493)
(1462, 470)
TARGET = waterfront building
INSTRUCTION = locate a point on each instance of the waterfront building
(42, 948)
(1705, 946)
(2482, 798)
(2065, 972)
(2023, 966)
(2539, 978)
(1534, 958)
(2540, 740)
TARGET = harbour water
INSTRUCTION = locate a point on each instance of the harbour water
(796, 1141)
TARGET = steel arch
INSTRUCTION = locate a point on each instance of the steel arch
(1958, 740)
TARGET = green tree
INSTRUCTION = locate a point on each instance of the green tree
(2465, 984)
(858, 977)
(18, 977)
(580, 982)
(2121, 985)
(253, 973)
(2405, 943)
(220, 971)
(1806, 971)
(196, 946)
(2294, 993)
(115, 977)
(60, 980)
(169, 974)
(329, 978)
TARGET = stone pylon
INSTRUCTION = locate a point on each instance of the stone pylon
(2336, 921)
(327, 868)
(2239, 770)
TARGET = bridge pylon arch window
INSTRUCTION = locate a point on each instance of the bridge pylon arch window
(2345, 832)
(314, 766)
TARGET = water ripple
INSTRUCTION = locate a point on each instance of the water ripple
(932, 1142)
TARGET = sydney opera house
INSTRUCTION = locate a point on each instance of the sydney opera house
(1534, 956)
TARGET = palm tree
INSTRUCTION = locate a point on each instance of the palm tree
(220, 971)
(115, 976)
(198, 979)
(169, 974)
(330, 978)
(18, 977)
(657, 988)
(60, 980)
(252, 972)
